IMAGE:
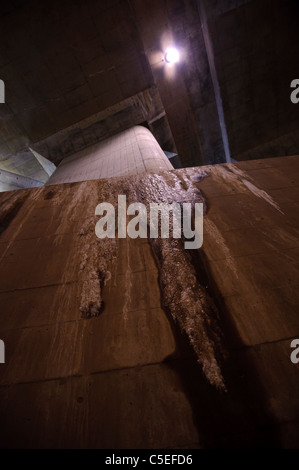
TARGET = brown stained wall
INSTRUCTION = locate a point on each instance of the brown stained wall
(127, 378)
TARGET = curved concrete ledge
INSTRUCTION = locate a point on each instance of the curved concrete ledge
(131, 152)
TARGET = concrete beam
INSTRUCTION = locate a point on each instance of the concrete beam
(10, 181)
(186, 88)
(48, 166)
(214, 77)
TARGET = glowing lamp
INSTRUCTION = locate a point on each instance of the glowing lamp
(172, 56)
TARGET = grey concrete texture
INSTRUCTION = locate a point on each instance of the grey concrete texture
(144, 107)
(60, 78)
(12, 181)
(131, 152)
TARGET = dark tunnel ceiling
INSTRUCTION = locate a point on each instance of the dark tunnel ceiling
(79, 71)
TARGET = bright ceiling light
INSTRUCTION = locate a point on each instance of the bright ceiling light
(172, 56)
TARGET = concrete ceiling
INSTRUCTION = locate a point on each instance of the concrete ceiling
(77, 72)
(143, 108)
(63, 62)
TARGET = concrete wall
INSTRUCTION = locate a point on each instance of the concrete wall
(60, 79)
(255, 43)
(131, 152)
(12, 181)
(186, 89)
(62, 63)
(127, 378)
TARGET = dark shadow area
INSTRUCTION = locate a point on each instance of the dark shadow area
(10, 208)
(238, 418)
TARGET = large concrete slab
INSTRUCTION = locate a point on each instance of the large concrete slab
(128, 377)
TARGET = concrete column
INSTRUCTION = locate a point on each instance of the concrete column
(131, 152)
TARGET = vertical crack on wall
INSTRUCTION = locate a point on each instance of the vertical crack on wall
(183, 296)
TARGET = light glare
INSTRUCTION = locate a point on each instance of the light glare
(172, 56)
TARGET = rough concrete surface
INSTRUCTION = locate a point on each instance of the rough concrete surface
(128, 377)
